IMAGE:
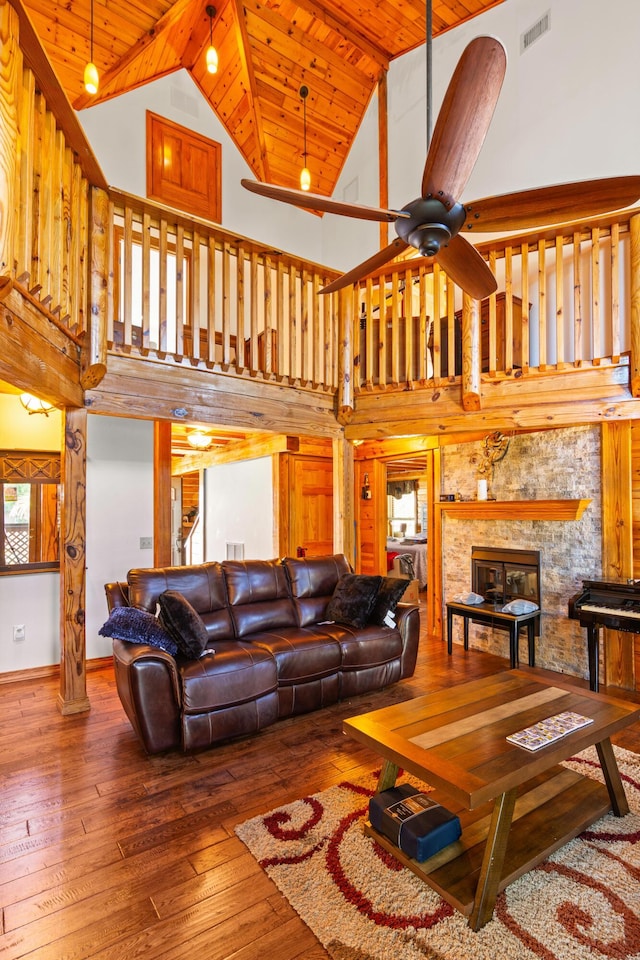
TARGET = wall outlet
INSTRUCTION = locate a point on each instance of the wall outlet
(146, 543)
(18, 632)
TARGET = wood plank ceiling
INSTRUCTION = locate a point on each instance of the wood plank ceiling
(267, 50)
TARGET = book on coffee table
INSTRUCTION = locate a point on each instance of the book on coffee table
(548, 731)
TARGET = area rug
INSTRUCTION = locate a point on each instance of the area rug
(583, 903)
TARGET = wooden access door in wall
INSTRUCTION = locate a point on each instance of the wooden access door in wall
(311, 505)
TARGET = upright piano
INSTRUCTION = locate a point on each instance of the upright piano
(605, 603)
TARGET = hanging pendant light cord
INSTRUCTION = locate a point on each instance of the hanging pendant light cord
(304, 114)
(429, 33)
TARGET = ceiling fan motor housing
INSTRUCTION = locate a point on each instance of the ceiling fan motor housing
(429, 224)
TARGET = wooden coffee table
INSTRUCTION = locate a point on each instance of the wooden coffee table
(516, 807)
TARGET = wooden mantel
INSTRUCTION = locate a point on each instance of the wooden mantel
(514, 509)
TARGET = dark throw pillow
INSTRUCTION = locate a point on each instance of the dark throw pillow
(137, 626)
(353, 599)
(184, 624)
(389, 596)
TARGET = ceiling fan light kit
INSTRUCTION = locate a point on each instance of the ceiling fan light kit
(434, 223)
(211, 55)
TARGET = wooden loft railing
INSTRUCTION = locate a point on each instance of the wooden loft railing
(565, 300)
(189, 291)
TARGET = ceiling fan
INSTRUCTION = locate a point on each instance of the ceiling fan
(434, 223)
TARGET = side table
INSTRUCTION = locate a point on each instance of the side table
(491, 616)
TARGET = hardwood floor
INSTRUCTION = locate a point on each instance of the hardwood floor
(109, 854)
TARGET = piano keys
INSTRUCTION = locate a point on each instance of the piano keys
(605, 603)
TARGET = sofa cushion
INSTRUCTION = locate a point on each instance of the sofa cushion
(202, 584)
(259, 597)
(235, 673)
(138, 626)
(389, 596)
(302, 654)
(353, 599)
(313, 580)
(184, 624)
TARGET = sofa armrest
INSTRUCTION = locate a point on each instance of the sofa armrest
(408, 623)
(149, 689)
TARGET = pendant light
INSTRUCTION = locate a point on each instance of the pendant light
(305, 174)
(91, 78)
(212, 53)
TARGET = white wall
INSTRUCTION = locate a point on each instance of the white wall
(119, 512)
(239, 508)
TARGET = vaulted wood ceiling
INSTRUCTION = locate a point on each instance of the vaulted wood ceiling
(267, 50)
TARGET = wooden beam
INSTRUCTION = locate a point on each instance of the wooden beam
(343, 500)
(73, 687)
(471, 394)
(162, 494)
(634, 271)
(10, 80)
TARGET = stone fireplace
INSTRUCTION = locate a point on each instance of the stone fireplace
(554, 464)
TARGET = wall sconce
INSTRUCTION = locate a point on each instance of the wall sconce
(366, 489)
(212, 53)
(35, 404)
(91, 78)
(199, 440)
(305, 173)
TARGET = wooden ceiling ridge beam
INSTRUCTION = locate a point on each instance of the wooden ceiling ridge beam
(133, 54)
(244, 44)
(342, 27)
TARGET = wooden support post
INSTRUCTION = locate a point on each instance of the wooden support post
(94, 361)
(345, 354)
(343, 499)
(617, 540)
(162, 493)
(10, 79)
(73, 687)
(471, 398)
(383, 154)
(634, 361)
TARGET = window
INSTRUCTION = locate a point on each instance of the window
(30, 514)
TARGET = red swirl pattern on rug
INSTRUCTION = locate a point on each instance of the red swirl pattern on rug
(583, 903)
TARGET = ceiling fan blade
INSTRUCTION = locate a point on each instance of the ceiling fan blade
(465, 266)
(313, 201)
(555, 204)
(464, 119)
(364, 269)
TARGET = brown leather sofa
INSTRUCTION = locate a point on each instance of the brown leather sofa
(269, 654)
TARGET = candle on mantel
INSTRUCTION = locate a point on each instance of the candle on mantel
(482, 489)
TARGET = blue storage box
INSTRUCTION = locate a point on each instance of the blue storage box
(413, 821)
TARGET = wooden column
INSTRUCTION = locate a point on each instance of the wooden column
(634, 360)
(94, 359)
(617, 540)
(383, 154)
(343, 499)
(471, 398)
(345, 354)
(10, 79)
(73, 688)
(162, 493)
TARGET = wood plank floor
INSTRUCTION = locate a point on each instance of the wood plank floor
(109, 854)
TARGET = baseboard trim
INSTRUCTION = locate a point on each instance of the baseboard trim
(53, 670)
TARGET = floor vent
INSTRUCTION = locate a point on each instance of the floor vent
(534, 33)
(235, 551)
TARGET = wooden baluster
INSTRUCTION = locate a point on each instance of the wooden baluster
(578, 342)
(347, 299)
(542, 305)
(524, 264)
(423, 329)
(94, 356)
(48, 189)
(268, 317)
(37, 235)
(25, 166)
(10, 194)
(293, 324)
(251, 360)
(407, 374)
(112, 256)
(127, 277)
(281, 320)
(146, 285)
(194, 319)
(226, 310)
(436, 326)
(615, 293)
(370, 353)
(382, 334)
(596, 324)
(471, 396)
(305, 347)
(211, 300)
(451, 330)
(560, 353)
(395, 328)
(163, 245)
(241, 358)
(179, 303)
(58, 239)
(492, 359)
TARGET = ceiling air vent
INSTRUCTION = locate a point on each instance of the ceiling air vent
(535, 32)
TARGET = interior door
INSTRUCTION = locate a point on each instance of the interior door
(311, 506)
